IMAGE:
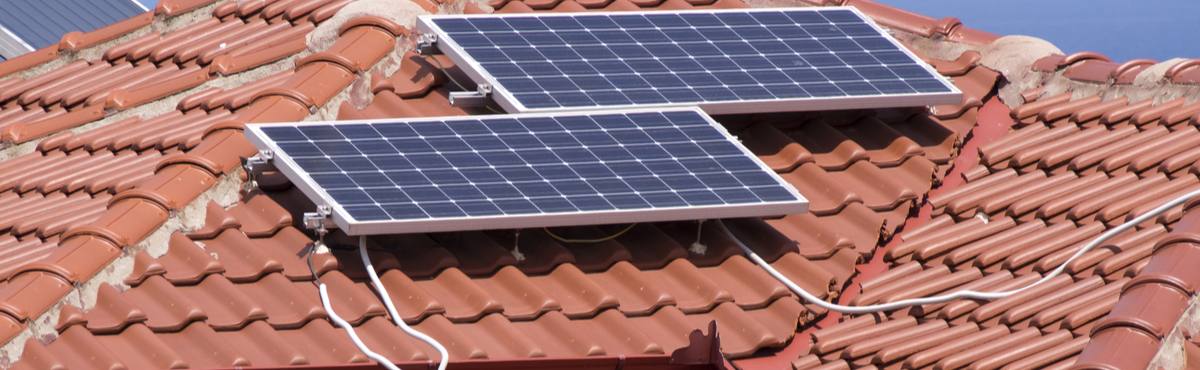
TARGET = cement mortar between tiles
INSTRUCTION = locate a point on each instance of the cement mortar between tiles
(1150, 83)
(1172, 355)
(1013, 57)
(359, 94)
(161, 106)
(9, 151)
(225, 193)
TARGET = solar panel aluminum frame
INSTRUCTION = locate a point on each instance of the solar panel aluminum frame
(503, 97)
(348, 224)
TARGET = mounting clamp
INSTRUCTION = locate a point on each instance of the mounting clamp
(427, 44)
(471, 99)
(255, 166)
(319, 221)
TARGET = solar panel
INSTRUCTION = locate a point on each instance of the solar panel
(725, 61)
(531, 170)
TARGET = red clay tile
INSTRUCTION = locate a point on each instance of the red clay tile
(755, 312)
(48, 81)
(1136, 348)
(579, 295)
(172, 8)
(908, 345)
(28, 60)
(25, 132)
(1150, 307)
(998, 307)
(9, 328)
(143, 267)
(29, 294)
(112, 313)
(188, 78)
(873, 345)
(1022, 350)
(1116, 245)
(1041, 304)
(225, 306)
(1060, 310)
(75, 348)
(167, 309)
(1169, 267)
(838, 341)
(1061, 351)
(1092, 112)
(69, 316)
(187, 263)
(855, 227)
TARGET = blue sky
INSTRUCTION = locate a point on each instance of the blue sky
(1121, 29)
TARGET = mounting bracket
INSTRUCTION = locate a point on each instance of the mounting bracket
(427, 44)
(255, 166)
(471, 99)
(319, 221)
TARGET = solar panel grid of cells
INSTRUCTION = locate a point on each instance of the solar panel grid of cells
(827, 58)
(541, 165)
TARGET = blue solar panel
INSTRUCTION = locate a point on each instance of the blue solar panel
(677, 163)
(717, 59)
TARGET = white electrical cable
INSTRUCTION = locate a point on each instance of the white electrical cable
(387, 302)
(971, 294)
(383, 361)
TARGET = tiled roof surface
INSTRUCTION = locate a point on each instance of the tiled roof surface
(904, 203)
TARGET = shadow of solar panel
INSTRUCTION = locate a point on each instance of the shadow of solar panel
(725, 61)
(493, 172)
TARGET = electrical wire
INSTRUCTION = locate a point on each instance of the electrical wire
(588, 241)
(969, 294)
(383, 361)
(391, 308)
(341, 323)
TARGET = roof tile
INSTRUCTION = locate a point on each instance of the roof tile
(24, 294)
(1150, 307)
(241, 260)
(112, 314)
(260, 217)
(291, 304)
(225, 306)
(1136, 346)
(533, 295)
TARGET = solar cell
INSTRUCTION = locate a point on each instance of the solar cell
(513, 171)
(725, 61)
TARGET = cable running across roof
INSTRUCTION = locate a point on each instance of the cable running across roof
(962, 294)
(387, 302)
(391, 307)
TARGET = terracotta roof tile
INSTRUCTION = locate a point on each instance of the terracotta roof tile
(900, 208)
